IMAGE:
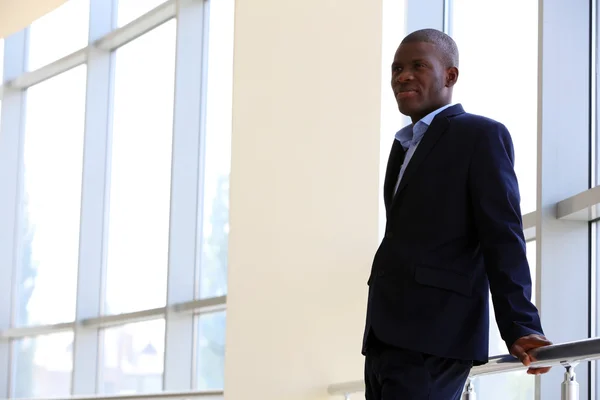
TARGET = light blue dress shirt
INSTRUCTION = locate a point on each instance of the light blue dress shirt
(410, 136)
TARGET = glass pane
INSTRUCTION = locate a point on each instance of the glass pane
(483, 58)
(596, 161)
(130, 10)
(138, 232)
(532, 259)
(43, 366)
(210, 367)
(49, 220)
(513, 385)
(1, 61)
(1, 73)
(59, 33)
(217, 154)
(133, 358)
(394, 29)
(596, 286)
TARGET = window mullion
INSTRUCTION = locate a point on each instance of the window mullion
(186, 203)
(11, 150)
(94, 199)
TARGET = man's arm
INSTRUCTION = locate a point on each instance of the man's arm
(495, 199)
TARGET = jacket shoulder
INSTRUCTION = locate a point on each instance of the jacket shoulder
(475, 121)
(473, 126)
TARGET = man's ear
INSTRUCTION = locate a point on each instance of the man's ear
(451, 76)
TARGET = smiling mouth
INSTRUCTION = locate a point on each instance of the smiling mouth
(405, 93)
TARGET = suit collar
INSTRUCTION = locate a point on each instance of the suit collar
(413, 133)
(439, 125)
(428, 119)
(451, 111)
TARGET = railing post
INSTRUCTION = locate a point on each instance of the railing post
(469, 391)
(570, 386)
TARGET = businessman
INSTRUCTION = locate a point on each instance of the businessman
(453, 234)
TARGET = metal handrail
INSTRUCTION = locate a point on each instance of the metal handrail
(189, 395)
(567, 355)
(570, 353)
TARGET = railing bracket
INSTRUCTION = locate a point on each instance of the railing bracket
(570, 386)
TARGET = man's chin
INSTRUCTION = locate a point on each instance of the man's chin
(408, 111)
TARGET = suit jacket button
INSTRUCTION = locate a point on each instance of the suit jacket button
(380, 273)
(389, 235)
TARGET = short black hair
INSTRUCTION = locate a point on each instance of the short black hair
(446, 45)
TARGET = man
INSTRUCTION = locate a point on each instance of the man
(453, 232)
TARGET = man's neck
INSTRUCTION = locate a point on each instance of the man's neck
(416, 119)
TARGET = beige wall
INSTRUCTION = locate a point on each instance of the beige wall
(304, 194)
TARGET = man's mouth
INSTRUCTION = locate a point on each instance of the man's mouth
(405, 93)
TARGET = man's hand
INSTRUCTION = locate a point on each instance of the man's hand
(520, 348)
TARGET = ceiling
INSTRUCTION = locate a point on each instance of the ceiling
(17, 14)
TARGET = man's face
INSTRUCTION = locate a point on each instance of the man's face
(420, 81)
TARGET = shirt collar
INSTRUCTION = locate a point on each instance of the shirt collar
(413, 133)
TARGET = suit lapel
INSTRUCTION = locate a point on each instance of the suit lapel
(391, 174)
(435, 131)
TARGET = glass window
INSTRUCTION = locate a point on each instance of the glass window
(513, 385)
(595, 280)
(1, 74)
(394, 29)
(595, 167)
(130, 10)
(42, 366)
(138, 230)
(133, 358)
(483, 59)
(217, 154)
(50, 204)
(210, 356)
(59, 33)
(1, 62)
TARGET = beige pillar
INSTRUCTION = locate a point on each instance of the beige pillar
(304, 194)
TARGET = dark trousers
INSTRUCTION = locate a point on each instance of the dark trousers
(398, 374)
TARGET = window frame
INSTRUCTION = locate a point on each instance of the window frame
(182, 308)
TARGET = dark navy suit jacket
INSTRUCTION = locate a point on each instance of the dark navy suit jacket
(453, 232)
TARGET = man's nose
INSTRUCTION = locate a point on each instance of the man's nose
(404, 76)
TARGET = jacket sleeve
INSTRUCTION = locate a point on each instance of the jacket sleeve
(495, 200)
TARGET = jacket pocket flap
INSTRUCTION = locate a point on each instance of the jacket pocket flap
(443, 279)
